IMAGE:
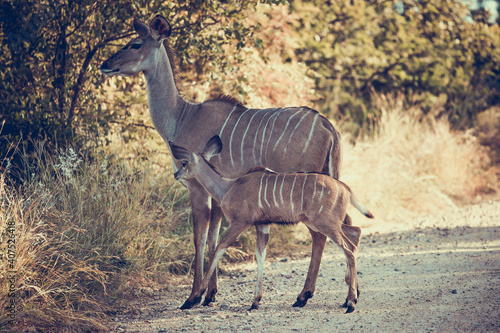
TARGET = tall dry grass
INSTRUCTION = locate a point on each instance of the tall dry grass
(83, 227)
(415, 164)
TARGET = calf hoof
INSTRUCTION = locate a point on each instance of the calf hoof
(347, 302)
(189, 304)
(350, 308)
(254, 307)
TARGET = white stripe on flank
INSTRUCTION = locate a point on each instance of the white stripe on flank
(260, 191)
(302, 197)
(281, 190)
(336, 196)
(265, 192)
(278, 113)
(322, 189)
(274, 190)
(314, 191)
(231, 137)
(225, 123)
(311, 133)
(257, 133)
(321, 194)
(227, 119)
(296, 126)
(284, 130)
(291, 194)
(330, 165)
(275, 113)
(246, 131)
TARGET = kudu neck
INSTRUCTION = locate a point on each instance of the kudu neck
(164, 101)
(212, 181)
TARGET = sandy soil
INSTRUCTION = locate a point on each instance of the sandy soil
(437, 273)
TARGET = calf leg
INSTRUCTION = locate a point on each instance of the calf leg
(260, 254)
(334, 232)
(352, 237)
(318, 246)
(234, 231)
(351, 279)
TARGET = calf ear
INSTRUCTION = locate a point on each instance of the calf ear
(141, 28)
(213, 148)
(160, 28)
(180, 153)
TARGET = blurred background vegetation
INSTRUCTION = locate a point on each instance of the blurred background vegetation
(86, 180)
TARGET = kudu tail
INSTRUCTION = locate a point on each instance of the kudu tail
(358, 205)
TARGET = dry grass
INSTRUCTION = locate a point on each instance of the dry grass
(81, 226)
(415, 164)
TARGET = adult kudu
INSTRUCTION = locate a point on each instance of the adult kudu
(283, 139)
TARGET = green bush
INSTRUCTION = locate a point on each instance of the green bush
(428, 50)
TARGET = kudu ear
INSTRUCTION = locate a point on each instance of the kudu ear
(180, 153)
(160, 28)
(213, 147)
(141, 28)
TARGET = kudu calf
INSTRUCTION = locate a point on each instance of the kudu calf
(262, 197)
(293, 139)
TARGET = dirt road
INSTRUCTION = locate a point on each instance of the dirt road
(437, 273)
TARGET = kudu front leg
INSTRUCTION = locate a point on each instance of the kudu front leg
(318, 245)
(213, 237)
(234, 231)
(201, 218)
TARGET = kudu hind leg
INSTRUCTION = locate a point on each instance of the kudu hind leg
(318, 246)
(346, 245)
(213, 236)
(352, 238)
(351, 279)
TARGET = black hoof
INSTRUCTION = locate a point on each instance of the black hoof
(254, 307)
(299, 303)
(350, 309)
(209, 298)
(189, 304)
(346, 303)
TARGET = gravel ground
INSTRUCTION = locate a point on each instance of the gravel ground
(441, 273)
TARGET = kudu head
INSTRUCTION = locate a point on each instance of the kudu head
(140, 53)
(193, 163)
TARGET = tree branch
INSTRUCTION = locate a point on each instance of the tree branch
(83, 70)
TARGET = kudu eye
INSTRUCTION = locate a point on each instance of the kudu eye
(136, 46)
